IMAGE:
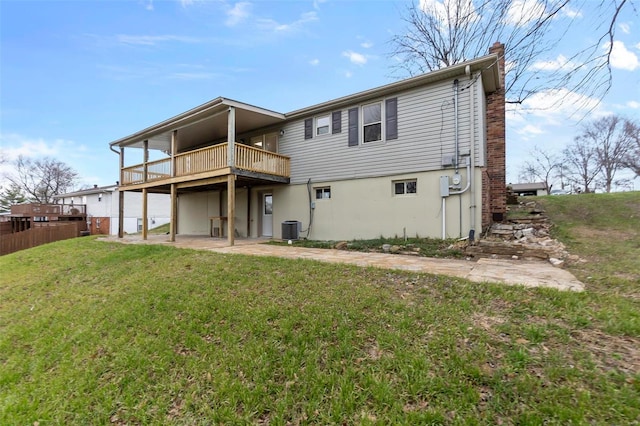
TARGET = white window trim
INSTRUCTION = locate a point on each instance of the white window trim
(316, 127)
(405, 193)
(383, 114)
(325, 189)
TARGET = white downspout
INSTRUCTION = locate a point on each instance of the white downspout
(455, 124)
(472, 147)
(444, 216)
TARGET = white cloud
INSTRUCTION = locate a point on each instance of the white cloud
(433, 7)
(558, 105)
(522, 12)
(637, 46)
(354, 57)
(561, 62)
(571, 13)
(530, 129)
(271, 25)
(625, 28)
(238, 13)
(193, 76)
(14, 145)
(441, 9)
(366, 45)
(148, 40)
(314, 62)
(186, 3)
(317, 3)
(633, 104)
(348, 74)
(622, 58)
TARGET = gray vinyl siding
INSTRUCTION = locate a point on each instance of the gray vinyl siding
(425, 134)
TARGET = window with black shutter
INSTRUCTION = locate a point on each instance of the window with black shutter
(308, 128)
(353, 127)
(391, 114)
(336, 122)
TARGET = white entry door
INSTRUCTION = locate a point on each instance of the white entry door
(267, 215)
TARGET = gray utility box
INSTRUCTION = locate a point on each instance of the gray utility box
(291, 229)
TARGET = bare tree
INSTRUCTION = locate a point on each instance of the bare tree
(632, 160)
(581, 164)
(445, 32)
(41, 179)
(612, 142)
(544, 166)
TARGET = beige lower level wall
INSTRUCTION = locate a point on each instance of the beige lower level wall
(195, 209)
(357, 209)
(368, 208)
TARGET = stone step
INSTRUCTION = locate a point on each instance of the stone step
(486, 248)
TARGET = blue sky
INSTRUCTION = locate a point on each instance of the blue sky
(76, 75)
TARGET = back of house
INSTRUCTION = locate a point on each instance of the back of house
(423, 156)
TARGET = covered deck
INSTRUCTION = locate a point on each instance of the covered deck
(205, 163)
(207, 147)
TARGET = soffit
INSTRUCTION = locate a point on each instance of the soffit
(208, 122)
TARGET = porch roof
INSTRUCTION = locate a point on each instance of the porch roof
(205, 122)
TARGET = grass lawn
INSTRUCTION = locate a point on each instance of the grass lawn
(103, 333)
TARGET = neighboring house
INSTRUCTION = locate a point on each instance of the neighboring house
(528, 189)
(102, 208)
(423, 156)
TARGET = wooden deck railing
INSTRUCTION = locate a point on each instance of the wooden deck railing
(159, 169)
(201, 160)
(206, 160)
(258, 160)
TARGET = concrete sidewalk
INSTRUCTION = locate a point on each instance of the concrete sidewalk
(512, 272)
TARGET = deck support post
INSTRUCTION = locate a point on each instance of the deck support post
(231, 137)
(173, 210)
(173, 224)
(248, 211)
(174, 149)
(231, 208)
(145, 161)
(231, 178)
(121, 196)
(145, 221)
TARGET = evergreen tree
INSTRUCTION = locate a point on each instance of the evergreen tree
(10, 196)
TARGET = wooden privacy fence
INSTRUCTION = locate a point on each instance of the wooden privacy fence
(39, 235)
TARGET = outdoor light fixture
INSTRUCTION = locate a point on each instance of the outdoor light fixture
(99, 197)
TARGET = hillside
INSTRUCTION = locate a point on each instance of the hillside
(604, 229)
(103, 333)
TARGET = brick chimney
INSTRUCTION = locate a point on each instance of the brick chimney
(494, 186)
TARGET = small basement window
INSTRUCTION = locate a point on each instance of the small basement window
(323, 193)
(402, 187)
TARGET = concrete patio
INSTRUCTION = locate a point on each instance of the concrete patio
(512, 272)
